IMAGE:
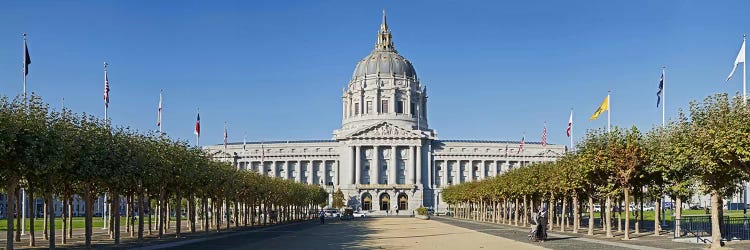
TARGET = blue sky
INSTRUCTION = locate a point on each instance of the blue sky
(275, 69)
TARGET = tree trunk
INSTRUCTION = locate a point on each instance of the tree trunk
(19, 210)
(608, 217)
(619, 215)
(591, 215)
(141, 213)
(627, 213)
(51, 212)
(192, 212)
(128, 213)
(551, 212)
(525, 211)
(116, 217)
(150, 214)
(89, 211)
(178, 214)
(562, 216)
(576, 213)
(70, 215)
(32, 239)
(160, 221)
(678, 216)
(515, 214)
(657, 217)
(206, 224)
(10, 211)
(716, 229)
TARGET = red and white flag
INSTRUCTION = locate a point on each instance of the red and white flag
(520, 146)
(106, 87)
(544, 135)
(198, 125)
(158, 115)
(570, 124)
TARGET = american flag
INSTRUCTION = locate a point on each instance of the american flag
(520, 146)
(544, 135)
(106, 87)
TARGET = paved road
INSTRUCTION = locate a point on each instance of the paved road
(370, 233)
(411, 233)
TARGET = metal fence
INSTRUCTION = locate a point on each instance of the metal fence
(732, 228)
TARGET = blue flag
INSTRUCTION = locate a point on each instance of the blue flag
(661, 87)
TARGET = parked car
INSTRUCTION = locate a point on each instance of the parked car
(359, 214)
(332, 213)
(597, 208)
(649, 208)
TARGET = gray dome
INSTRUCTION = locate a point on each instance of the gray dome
(384, 63)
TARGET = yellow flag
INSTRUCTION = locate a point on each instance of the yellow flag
(602, 108)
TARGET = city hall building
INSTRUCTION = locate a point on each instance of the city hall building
(385, 157)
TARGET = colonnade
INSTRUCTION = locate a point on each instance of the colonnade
(456, 171)
(306, 171)
(396, 165)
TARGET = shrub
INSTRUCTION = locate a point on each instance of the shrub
(421, 210)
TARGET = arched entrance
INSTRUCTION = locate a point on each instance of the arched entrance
(366, 201)
(385, 201)
(403, 201)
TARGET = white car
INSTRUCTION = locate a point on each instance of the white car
(597, 208)
(359, 215)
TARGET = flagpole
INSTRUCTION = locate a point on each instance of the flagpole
(198, 134)
(609, 110)
(106, 105)
(160, 110)
(663, 95)
(744, 73)
(571, 130)
(24, 68)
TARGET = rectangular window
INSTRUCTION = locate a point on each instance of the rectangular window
(413, 110)
(356, 108)
(400, 107)
(369, 107)
(384, 106)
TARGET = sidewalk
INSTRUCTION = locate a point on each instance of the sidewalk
(570, 240)
(100, 239)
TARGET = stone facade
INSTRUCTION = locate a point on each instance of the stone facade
(385, 157)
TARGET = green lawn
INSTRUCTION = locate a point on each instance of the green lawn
(78, 222)
(649, 215)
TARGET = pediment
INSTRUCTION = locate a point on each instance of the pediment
(385, 130)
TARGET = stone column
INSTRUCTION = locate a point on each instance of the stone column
(418, 167)
(274, 170)
(310, 172)
(357, 164)
(483, 169)
(335, 167)
(298, 171)
(457, 176)
(431, 171)
(392, 168)
(375, 167)
(286, 170)
(409, 168)
(470, 165)
(444, 178)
